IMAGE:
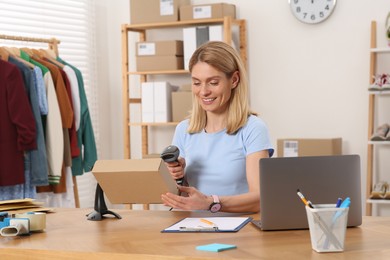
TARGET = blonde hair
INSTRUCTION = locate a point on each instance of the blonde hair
(224, 58)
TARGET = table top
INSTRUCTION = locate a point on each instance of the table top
(69, 234)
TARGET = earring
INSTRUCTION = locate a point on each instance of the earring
(388, 28)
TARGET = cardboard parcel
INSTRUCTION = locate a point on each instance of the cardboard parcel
(134, 181)
(293, 147)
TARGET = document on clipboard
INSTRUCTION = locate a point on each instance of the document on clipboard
(208, 224)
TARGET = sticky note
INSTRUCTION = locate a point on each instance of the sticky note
(215, 247)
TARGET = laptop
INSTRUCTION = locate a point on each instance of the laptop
(321, 179)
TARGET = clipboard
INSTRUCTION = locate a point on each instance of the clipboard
(208, 225)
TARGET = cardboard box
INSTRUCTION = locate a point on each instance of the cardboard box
(207, 11)
(155, 11)
(151, 156)
(181, 105)
(160, 48)
(134, 181)
(196, 36)
(151, 63)
(308, 147)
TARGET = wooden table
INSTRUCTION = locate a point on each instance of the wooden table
(69, 235)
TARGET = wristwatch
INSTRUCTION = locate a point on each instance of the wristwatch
(216, 205)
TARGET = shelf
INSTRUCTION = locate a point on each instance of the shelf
(380, 50)
(379, 142)
(378, 201)
(158, 72)
(374, 96)
(379, 92)
(142, 27)
(128, 57)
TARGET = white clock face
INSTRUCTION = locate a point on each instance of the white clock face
(312, 11)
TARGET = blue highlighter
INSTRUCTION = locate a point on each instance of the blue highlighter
(345, 204)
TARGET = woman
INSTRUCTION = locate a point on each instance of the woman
(222, 142)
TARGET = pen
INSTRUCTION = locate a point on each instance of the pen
(198, 229)
(338, 203)
(207, 222)
(305, 201)
(345, 204)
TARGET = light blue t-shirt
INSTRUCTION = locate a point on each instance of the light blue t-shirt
(216, 162)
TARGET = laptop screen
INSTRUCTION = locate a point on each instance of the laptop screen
(322, 179)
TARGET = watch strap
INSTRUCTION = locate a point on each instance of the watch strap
(215, 198)
(215, 206)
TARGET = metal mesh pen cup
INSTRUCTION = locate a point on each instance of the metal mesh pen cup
(327, 225)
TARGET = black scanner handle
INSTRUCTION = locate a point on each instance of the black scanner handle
(171, 154)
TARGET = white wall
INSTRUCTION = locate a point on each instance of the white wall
(307, 81)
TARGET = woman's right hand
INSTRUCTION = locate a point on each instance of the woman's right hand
(176, 169)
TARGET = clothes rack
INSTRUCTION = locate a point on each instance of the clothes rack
(53, 42)
(53, 45)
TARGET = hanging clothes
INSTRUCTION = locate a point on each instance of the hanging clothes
(38, 159)
(52, 125)
(85, 135)
(40, 83)
(64, 104)
(18, 191)
(66, 113)
(57, 98)
(56, 129)
(75, 94)
(74, 149)
(18, 129)
(69, 134)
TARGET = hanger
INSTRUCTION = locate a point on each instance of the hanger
(28, 51)
(15, 53)
(12, 51)
(36, 53)
(4, 54)
(51, 57)
(50, 53)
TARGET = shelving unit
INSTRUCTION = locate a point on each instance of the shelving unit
(373, 98)
(141, 29)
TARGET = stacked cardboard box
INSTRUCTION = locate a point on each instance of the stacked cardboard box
(293, 147)
(159, 55)
(207, 11)
(155, 11)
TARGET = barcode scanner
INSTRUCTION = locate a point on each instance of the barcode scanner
(171, 154)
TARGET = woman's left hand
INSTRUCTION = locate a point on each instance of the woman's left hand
(195, 200)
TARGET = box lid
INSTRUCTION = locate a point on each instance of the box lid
(138, 165)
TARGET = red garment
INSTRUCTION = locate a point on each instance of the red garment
(17, 125)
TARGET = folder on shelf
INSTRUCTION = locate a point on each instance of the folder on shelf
(208, 224)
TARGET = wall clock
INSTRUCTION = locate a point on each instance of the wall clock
(312, 11)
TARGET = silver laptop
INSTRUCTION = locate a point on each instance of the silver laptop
(321, 179)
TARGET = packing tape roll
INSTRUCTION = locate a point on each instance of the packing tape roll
(37, 220)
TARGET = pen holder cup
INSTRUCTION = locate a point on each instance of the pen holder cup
(327, 225)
